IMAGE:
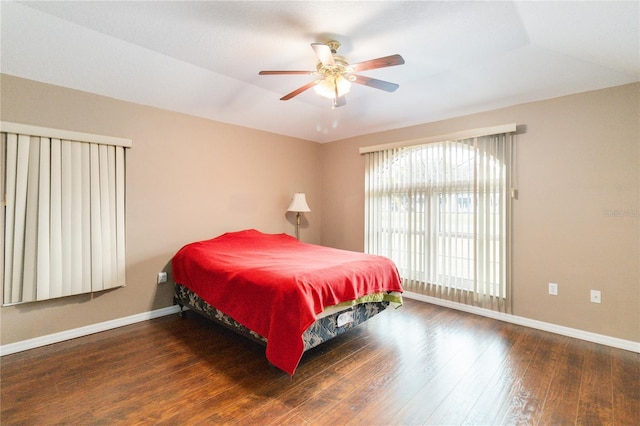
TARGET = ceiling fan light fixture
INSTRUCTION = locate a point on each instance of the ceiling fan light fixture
(334, 75)
(327, 86)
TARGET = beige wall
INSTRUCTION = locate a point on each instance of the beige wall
(576, 219)
(190, 179)
(187, 179)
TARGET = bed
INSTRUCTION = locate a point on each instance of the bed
(286, 294)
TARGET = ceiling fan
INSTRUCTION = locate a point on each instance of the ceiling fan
(335, 75)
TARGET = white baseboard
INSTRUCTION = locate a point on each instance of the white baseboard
(120, 322)
(527, 322)
(36, 342)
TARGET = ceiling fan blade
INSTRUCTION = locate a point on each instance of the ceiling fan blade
(324, 53)
(298, 91)
(375, 83)
(387, 61)
(284, 72)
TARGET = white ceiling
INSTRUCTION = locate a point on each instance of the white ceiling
(203, 58)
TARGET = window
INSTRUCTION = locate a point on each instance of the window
(441, 212)
(64, 213)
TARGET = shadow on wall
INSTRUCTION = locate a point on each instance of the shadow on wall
(292, 219)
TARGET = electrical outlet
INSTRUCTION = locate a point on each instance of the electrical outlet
(595, 296)
(162, 277)
(553, 289)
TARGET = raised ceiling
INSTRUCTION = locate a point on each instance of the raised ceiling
(203, 58)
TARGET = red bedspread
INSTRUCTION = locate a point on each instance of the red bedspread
(276, 285)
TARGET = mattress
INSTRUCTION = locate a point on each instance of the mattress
(328, 326)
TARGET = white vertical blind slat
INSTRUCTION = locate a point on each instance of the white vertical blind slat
(66, 199)
(11, 150)
(11, 157)
(113, 236)
(105, 216)
(96, 227)
(86, 216)
(120, 215)
(29, 282)
(44, 204)
(55, 220)
(76, 219)
(22, 172)
(3, 189)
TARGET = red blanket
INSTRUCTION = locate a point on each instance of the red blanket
(276, 285)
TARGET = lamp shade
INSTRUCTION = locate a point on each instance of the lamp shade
(299, 203)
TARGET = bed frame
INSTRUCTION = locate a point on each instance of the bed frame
(320, 331)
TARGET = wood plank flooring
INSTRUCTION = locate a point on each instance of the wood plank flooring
(420, 364)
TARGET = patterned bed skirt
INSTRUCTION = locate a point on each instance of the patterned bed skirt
(320, 331)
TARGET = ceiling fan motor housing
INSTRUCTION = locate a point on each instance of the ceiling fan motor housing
(340, 67)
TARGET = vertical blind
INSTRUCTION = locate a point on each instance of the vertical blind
(64, 220)
(441, 211)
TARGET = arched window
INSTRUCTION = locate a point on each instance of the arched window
(441, 212)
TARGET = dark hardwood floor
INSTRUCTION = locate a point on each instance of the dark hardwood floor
(420, 364)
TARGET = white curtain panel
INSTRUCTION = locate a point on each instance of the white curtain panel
(64, 217)
(441, 211)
